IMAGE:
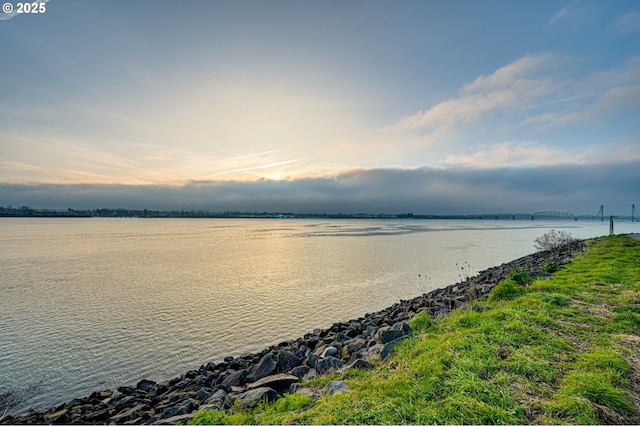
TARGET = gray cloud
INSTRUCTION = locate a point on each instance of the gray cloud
(579, 189)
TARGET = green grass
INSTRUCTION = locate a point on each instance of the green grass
(544, 351)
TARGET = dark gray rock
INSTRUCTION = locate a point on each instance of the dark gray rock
(299, 371)
(390, 345)
(359, 364)
(173, 411)
(237, 378)
(327, 364)
(146, 385)
(265, 367)
(253, 397)
(180, 418)
(312, 359)
(388, 334)
(210, 381)
(287, 360)
(354, 345)
(128, 414)
(329, 351)
(203, 394)
(218, 398)
(311, 374)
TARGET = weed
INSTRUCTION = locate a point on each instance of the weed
(464, 272)
(551, 267)
(521, 277)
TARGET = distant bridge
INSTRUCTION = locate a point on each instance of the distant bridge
(555, 215)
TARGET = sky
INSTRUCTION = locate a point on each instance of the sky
(429, 106)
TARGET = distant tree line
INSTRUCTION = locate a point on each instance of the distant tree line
(25, 211)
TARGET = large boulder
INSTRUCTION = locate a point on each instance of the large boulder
(253, 397)
(237, 378)
(388, 334)
(265, 367)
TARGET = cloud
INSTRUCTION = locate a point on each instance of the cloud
(562, 14)
(577, 188)
(510, 154)
(514, 85)
(627, 24)
(536, 92)
(575, 15)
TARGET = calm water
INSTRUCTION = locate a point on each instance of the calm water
(88, 304)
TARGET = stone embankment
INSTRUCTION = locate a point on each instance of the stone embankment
(249, 379)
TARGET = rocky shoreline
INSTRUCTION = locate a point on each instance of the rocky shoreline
(249, 379)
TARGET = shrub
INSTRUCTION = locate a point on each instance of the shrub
(506, 290)
(521, 277)
(552, 240)
(551, 267)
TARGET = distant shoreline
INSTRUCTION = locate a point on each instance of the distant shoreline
(182, 214)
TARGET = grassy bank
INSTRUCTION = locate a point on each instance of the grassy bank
(558, 350)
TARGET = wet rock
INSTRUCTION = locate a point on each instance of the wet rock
(146, 385)
(253, 397)
(126, 390)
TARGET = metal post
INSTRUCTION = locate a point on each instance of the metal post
(610, 225)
